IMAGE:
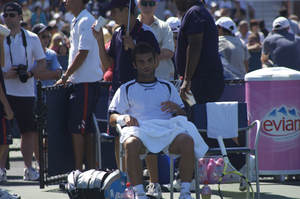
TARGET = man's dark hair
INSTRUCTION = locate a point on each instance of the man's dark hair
(253, 22)
(142, 48)
(131, 10)
(283, 12)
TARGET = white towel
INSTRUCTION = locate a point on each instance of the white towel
(222, 119)
(157, 134)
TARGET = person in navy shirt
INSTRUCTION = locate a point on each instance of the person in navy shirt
(197, 57)
(124, 70)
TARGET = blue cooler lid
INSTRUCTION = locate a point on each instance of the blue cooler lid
(273, 74)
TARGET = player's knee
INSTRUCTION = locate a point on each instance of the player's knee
(132, 144)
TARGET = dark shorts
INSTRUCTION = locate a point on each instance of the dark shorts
(83, 100)
(5, 132)
(23, 109)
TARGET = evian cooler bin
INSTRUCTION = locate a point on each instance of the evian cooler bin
(273, 97)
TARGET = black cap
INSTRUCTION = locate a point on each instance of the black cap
(12, 6)
(39, 28)
(116, 3)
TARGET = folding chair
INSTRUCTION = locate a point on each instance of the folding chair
(200, 120)
(197, 191)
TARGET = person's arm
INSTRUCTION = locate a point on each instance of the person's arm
(165, 53)
(122, 120)
(264, 58)
(49, 74)
(170, 106)
(192, 58)
(77, 62)
(106, 60)
(2, 54)
(9, 113)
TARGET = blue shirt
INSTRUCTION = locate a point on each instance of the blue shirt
(284, 48)
(123, 67)
(52, 65)
(198, 20)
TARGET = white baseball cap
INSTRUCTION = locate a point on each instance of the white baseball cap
(227, 23)
(111, 23)
(174, 23)
(280, 23)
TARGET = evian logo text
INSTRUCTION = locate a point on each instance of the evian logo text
(282, 124)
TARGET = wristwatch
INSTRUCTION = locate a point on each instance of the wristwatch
(64, 78)
(31, 74)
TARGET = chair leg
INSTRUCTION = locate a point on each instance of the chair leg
(171, 177)
(247, 175)
(197, 179)
(257, 176)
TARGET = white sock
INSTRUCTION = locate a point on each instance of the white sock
(185, 187)
(138, 189)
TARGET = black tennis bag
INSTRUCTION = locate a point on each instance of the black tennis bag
(96, 184)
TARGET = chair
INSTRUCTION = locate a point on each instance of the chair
(200, 120)
(197, 191)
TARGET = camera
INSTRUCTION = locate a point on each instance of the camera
(21, 71)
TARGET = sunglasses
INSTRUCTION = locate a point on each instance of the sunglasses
(145, 3)
(46, 36)
(11, 15)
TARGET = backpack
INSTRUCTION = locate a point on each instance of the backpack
(96, 184)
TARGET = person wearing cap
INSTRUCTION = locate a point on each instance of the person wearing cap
(52, 71)
(21, 48)
(232, 48)
(124, 70)
(84, 73)
(284, 47)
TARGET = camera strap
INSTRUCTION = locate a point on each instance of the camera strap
(24, 44)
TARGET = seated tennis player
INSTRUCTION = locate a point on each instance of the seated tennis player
(154, 118)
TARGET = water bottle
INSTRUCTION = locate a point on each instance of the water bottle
(202, 170)
(210, 170)
(128, 193)
(205, 191)
(218, 171)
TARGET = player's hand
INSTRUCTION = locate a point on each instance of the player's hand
(131, 121)
(9, 114)
(11, 73)
(169, 106)
(184, 90)
(61, 82)
(97, 35)
(127, 41)
(2, 37)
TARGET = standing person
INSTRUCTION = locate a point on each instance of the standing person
(283, 46)
(232, 48)
(124, 70)
(6, 114)
(21, 47)
(197, 56)
(85, 73)
(163, 33)
(52, 71)
(165, 70)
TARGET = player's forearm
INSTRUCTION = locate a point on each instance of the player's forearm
(77, 62)
(106, 60)
(193, 55)
(113, 119)
(165, 54)
(39, 67)
(48, 74)
(180, 112)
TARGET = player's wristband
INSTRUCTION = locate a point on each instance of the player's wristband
(120, 120)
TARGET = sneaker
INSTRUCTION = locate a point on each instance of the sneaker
(243, 185)
(3, 177)
(30, 174)
(154, 190)
(186, 195)
(37, 166)
(176, 185)
(5, 195)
